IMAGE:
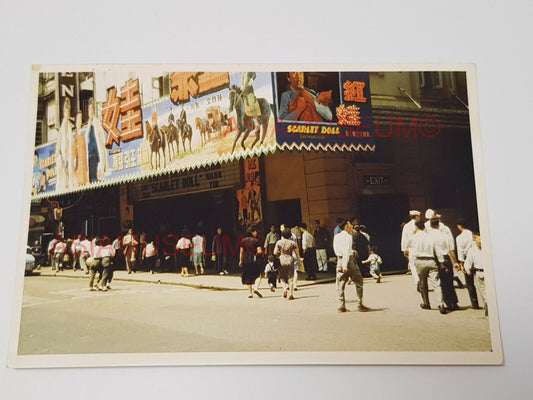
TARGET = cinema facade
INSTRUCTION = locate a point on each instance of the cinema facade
(164, 150)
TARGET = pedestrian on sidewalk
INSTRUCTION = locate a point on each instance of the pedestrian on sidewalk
(464, 241)
(60, 249)
(106, 254)
(287, 251)
(271, 272)
(198, 251)
(129, 244)
(249, 260)
(150, 256)
(322, 242)
(424, 251)
(445, 243)
(183, 255)
(270, 240)
(374, 260)
(309, 252)
(296, 258)
(347, 268)
(218, 253)
(94, 262)
(476, 263)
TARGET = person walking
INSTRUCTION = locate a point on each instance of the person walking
(347, 268)
(76, 252)
(424, 251)
(85, 252)
(94, 262)
(374, 261)
(445, 244)
(183, 255)
(271, 272)
(475, 264)
(270, 240)
(150, 256)
(309, 252)
(464, 241)
(287, 251)
(296, 259)
(106, 254)
(408, 230)
(198, 250)
(249, 255)
(129, 245)
(218, 253)
(60, 249)
(322, 242)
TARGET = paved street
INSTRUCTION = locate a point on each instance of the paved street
(140, 315)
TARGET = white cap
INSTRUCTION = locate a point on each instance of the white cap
(429, 213)
(414, 213)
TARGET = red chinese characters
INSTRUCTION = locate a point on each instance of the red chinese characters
(348, 115)
(353, 91)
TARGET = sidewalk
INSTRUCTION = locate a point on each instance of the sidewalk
(208, 280)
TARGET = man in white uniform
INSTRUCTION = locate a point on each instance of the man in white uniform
(407, 233)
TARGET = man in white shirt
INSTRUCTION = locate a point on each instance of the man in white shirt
(346, 267)
(85, 247)
(476, 263)
(464, 241)
(423, 250)
(309, 252)
(408, 231)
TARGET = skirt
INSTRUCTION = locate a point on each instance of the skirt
(250, 272)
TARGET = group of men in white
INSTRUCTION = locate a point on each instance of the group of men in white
(433, 261)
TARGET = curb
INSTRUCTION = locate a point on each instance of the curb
(163, 282)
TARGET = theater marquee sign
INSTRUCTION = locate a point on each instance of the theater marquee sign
(218, 176)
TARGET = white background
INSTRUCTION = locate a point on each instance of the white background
(496, 36)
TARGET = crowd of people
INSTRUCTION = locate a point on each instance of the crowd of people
(430, 249)
(433, 256)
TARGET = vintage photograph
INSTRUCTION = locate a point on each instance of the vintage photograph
(294, 214)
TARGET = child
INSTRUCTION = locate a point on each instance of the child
(375, 261)
(271, 272)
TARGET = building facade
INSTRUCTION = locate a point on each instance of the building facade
(421, 157)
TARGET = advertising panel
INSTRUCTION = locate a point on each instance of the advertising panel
(323, 110)
(207, 118)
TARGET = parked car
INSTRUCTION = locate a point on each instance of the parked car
(30, 262)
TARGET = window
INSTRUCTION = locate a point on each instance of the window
(436, 80)
(422, 79)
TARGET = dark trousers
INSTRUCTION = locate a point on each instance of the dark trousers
(469, 279)
(220, 262)
(272, 278)
(310, 263)
(449, 296)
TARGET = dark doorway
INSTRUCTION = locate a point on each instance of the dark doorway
(282, 211)
(172, 214)
(383, 216)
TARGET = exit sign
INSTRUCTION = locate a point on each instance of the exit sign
(376, 180)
